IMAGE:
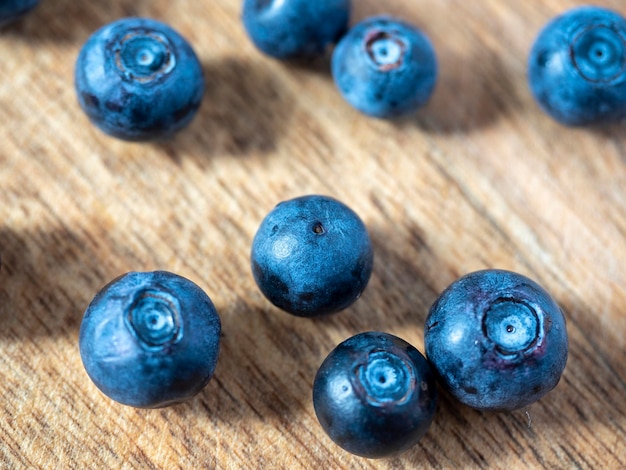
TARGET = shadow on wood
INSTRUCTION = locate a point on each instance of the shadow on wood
(401, 289)
(244, 110)
(47, 280)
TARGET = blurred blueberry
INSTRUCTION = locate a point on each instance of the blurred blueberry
(385, 67)
(311, 256)
(577, 67)
(497, 340)
(295, 29)
(138, 79)
(150, 339)
(375, 395)
(11, 10)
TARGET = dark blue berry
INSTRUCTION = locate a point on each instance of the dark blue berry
(497, 340)
(138, 79)
(295, 29)
(11, 10)
(385, 67)
(150, 339)
(577, 67)
(375, 395)
(311, 256)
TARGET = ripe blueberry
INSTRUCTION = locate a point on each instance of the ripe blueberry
(497, 340)
(312, 255)
(150, 339)
(375, 395)
(138, 79)
(11, 10)
(295, 29)
(385, 67)
(577, 67)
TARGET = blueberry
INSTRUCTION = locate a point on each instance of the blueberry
(295, 29)
(577, 67)
(138, 79)
(11, 10)
(497, 340)
(375, 395)
(150, 339)
(311, 256)
(385, 67)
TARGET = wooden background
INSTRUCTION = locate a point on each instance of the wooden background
(479, 178)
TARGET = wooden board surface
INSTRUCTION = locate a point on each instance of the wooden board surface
(479, 178)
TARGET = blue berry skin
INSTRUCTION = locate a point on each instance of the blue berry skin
(11, 10)
(295, 29)
(577, 67)
(375, 395)
(312, 256)
(497, 340)
(138, 80)
(385, 67)
(150, 339)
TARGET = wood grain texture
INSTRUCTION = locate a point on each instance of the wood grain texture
(479, 178)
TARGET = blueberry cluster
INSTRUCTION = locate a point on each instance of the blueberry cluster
(137, 79)
(495, 340)
(384, 67)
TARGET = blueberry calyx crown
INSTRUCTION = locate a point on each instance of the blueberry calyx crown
(599, 53)
(385, 50)
(384, 379)
(143, 55)
(154, 319)
(513, 326)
